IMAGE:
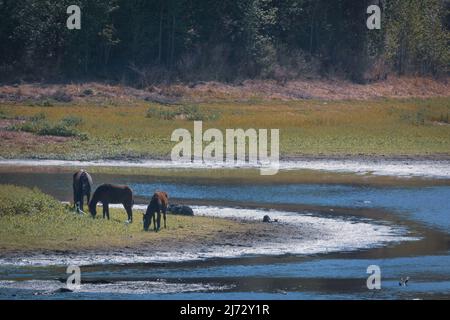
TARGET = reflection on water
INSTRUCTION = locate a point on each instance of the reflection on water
(329, 276)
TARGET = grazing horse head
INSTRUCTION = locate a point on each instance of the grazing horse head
(93, 207)
(158, 203)
(147, 218)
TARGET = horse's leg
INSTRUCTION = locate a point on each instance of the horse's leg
(75, 198)
(129, 210)
(154, 221)
(88, 196)
(104, 209)
(107, 210)
(159, 219)
(81, 202)
(164, 216)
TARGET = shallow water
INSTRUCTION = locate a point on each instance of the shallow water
(366, 225)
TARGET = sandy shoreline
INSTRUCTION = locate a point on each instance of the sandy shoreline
(251, 234)
(296, 234)
(437, 166)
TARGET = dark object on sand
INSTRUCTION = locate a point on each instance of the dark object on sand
(267, 219)
(82, 185)
(158, 204)
(180, 209)
(109, 193)
(62, 290)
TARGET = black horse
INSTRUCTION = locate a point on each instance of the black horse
(109, 193)
(158, 204)
(82, 185)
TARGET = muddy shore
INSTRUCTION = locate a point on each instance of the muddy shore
(247, 234)
(437, 166)
(285, 158)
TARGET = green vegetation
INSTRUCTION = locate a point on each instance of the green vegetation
(3, 115)
(38, 124)
(32, 220)
(71, 121)
(23, 201)
(415, 37)
(307, 127)
(185, 112)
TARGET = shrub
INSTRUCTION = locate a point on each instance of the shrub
(38, 124)
(61, 96)
(20, 200)
(58, 129)
(3, 115)
(444, 119)
(185, 112)
(72, 121)
(161, 113)
(38, 117)
(88, 92)
(193, 113)
(420, 118)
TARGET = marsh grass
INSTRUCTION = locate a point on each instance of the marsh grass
(42, 102)
(4, 115)
(71, 121)
(307, 127)
(184, 112)
(32, 220)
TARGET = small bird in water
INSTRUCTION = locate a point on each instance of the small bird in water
(403, 282)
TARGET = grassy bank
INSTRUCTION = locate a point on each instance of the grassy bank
(31, 220)
(141, 129)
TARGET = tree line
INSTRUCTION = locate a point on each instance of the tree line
(151, 41)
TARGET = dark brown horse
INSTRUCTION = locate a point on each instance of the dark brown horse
(109, 193)
(159, 202)
(82, 185)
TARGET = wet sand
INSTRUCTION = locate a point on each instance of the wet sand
(436, 167)
(249, 234)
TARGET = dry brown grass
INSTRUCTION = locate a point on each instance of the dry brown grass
(319, 89)
(393, 87)
(115, 118)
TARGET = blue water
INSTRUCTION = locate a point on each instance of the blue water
(426, 267)
(429, 276)
(429, 205)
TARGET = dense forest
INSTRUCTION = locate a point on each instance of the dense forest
(153, 41)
